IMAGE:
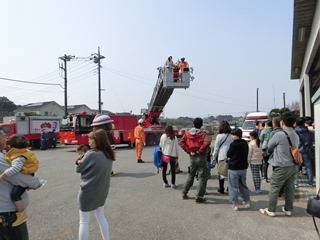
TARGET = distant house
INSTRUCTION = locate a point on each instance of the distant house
(104, 112)
(79, 108)
(41, 108)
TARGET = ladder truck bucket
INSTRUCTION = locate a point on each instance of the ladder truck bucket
(175, 78)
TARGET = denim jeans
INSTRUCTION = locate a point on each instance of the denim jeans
(282, 177)
(308, 166)
(198, 163)
(237, 183)
(265, 165)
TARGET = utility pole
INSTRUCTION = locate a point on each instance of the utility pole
(284, 100)
(257, 99)
(65, 58)
(97, 59)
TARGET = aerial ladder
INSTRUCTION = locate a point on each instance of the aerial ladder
(169, 78)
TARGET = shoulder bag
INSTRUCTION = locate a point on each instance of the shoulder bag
(295, 153)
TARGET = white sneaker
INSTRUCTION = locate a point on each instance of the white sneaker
(165, 185)
(246, 204)
(235, 208)
(288, 213)
(265, 211)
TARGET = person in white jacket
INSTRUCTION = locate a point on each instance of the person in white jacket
(169, 147)
(255, 160)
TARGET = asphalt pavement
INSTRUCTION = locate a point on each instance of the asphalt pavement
(138, 207)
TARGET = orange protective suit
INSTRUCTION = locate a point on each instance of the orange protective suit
(183, 65)
(139, 137)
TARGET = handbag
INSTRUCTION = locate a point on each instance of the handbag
(166, 158)
(313, 208)
(222, 168)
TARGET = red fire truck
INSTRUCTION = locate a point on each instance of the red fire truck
(168, 80)
(76, 127)
(31, 127)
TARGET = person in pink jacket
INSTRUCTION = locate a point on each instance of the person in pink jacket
(255, 160)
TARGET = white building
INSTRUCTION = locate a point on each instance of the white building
(305, 65)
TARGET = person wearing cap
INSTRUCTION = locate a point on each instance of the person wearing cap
(139, 137)
(103, 121)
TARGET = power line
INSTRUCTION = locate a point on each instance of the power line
(29, 82)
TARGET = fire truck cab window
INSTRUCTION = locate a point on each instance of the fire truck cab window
(6, 129)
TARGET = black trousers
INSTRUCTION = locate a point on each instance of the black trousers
(12, 233)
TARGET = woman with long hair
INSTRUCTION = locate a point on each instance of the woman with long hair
(95, 169)
(255, 160)
(221, 146)
(169, 148)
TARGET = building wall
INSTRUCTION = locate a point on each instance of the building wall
(52, 109)
(312, 106)
(82, 109)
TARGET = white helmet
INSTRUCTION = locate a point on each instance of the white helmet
(101, 119)
(140, 121)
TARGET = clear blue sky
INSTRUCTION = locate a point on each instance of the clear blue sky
(234, 47)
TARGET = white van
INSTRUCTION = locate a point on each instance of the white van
(249, 123)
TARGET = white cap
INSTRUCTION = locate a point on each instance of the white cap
(101, 120)
(140, 121)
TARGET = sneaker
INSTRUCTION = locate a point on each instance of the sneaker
(21, 218)
(113, 173)
(235, 207)
(246, 204)
(185, 196)
(166, 185)
(265, 211)
(288, 213)
(256, 191)
(173, 186)
(200, 200)
(140, 161)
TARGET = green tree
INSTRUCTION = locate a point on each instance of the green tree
(6, 107)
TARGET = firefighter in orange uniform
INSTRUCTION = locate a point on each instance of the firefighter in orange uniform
(139, 140)
(182, 65)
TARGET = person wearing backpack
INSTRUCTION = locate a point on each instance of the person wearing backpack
(264, 139)
(283, 164)
(305, 145)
